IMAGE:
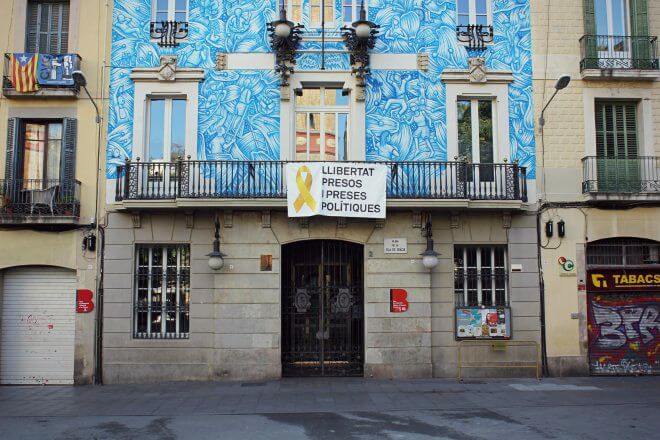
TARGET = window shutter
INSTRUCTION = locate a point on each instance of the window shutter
(591, 58)
(68, 160)
(11, 165)
(32, 28)
(640, 32)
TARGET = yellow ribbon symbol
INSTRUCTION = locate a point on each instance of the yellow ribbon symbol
(305, 197)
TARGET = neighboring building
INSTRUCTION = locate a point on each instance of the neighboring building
(48, 185)
(599, 180)
(200, 127)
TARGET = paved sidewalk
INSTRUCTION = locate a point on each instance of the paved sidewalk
(585, 408)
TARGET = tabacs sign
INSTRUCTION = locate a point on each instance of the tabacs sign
(623, 280)
(336, 189)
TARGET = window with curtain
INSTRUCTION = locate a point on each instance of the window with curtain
(47, 27)
(162, 291)
(42, 149)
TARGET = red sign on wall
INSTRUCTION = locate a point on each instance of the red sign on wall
(84, 303)
(398, 300)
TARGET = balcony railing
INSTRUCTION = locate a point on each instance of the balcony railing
(639, 175)
(168, 33)
(38, 200)
(475, 36)
(53, 76)
(193, 179)
(611, 52)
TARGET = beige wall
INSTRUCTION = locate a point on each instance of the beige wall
(557, 26)
(89, 23)
(235, 313)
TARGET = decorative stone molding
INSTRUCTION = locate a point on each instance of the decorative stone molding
(506, 220)
(265, 219)
(341, 222)
(423, 62)
(136, 218)
(380, 224)
(190, 219)
(454, 220)
(221, 61)
(229, 219)
(477, 73)
(360, 95)
(304, 222)
(285, 93)
(168, 71)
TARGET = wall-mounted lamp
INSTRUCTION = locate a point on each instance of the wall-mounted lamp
(562, 82)
(216, 258)
(429, 256)
(285, 37)
(359, 39)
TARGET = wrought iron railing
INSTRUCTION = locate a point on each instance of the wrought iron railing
(24, 199)
(266, 180)
(53, 83)
(168, 33)
(475, 36)
(621, 175)
(617, 52)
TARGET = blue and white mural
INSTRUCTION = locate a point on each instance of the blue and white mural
(239, 110)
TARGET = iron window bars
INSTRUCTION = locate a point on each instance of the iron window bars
(475, 36)
(481, 276)
(168, 33)
(161, 308)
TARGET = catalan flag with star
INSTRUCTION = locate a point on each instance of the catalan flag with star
(24, 71)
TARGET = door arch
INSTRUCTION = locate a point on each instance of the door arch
(322, 308)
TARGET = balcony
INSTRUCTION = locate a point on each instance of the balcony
(622, 179)
(606, 57)
(168, 33)
(39, 202)
(193, 183)
(53, 77)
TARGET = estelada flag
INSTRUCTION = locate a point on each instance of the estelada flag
(24, 71)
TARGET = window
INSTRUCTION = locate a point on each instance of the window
(162, 291)
(475, 12)
(475, 134)
(47, 27)
(42, 149)
(170, 10)
(623, 252)
(616, 129)
(315, 12)
(350, 10)
(322, 124)
(481, 276)
(166, 129)
(612, 17)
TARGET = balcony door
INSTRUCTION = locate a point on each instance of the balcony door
(476, 142)
(42, 149)
(613, 31)
(322, 119)
(618, 164)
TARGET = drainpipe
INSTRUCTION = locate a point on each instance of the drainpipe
(98, 355)
(544, 353)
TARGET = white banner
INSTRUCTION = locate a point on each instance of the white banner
(336, 189)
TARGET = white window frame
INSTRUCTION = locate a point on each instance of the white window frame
(171, 11)
(167, 118)
(324, 110)
(479, 267)
(499, 95)
(473, 11)
(355, 10)
(474, 119)
(305, 14)
(610, 17)
(146, 90)
(163, 334)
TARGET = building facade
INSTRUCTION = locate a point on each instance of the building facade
(48, 190)
(204, 115)
(599, 184)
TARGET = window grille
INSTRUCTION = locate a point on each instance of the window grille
(481, 276)
(623, 252)
(162, 292)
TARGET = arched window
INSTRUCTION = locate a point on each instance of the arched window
(624, 251)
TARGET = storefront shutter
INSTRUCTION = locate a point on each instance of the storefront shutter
(589, 42)
(640, 32)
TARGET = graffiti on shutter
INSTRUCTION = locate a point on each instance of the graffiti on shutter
(624, 333)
